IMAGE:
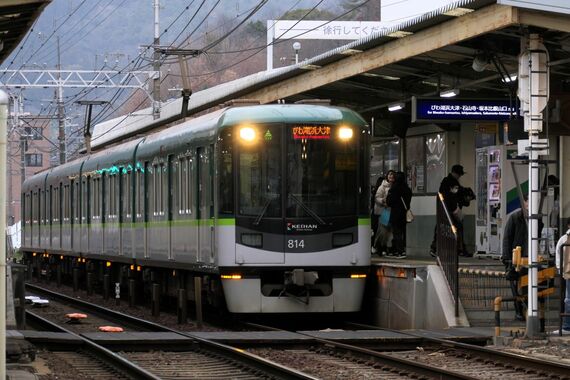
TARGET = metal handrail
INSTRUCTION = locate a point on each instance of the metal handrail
(447, 240)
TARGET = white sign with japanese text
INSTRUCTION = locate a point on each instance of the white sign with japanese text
(325, 30)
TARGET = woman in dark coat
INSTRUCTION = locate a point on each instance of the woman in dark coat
(399, 198)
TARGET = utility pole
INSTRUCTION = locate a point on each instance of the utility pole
(156, 62)
(534, 93)
(23, 138)
(60, 110)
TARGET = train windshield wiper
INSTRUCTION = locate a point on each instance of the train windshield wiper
(308, 210)
(270, 198)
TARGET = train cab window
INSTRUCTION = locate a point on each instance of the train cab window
(364, 173)
(225, 173)
(259, 164)
(321, 171)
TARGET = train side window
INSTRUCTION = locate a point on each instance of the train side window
(111, 212)
(103, 188)
(225, 173)
(147, 190)
(163, 184)
(180, 185)
(41, 194)
(151, 178)
(85, 200)
(191, 180)
(127, 199)
(139, 188)
(24, 199)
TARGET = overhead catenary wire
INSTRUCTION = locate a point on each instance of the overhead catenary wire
(234, 64)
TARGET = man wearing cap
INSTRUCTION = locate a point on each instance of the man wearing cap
(450, 188)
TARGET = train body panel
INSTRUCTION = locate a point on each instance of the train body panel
(280, 211)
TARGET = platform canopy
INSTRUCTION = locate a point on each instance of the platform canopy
(16, 18)
(418, 58)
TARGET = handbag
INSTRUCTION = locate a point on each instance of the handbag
(385, 216)
(409, 214)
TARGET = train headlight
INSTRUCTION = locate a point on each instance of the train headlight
(345, 133)
(231, 277)
(247, 134)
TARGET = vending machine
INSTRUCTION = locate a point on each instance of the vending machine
(498, 170)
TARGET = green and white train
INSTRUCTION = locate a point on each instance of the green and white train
(268, 205)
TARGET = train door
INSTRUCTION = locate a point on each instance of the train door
(146, 202)
(85, 214)
(205, 204)
(169, 201)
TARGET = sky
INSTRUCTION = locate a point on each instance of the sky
(108, 34)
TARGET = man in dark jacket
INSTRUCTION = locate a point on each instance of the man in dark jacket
(450, 188)
(399, 199)
(515, 235)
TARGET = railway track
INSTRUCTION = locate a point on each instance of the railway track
(476, 360)
(448, 358)
(198, 359)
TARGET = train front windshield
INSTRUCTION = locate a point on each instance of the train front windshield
(312, 175)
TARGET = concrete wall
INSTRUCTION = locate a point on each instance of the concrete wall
(408, 297)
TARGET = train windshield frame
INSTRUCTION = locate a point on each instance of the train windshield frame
(316, 169)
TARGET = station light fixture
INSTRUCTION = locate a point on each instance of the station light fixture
(400, 34)
(396, 106)
(449, 93)
(510, 78)
(350, 51)
(457, 12)
(358, 275)
(310, 67)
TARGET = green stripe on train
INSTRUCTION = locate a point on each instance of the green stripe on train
(165, 223)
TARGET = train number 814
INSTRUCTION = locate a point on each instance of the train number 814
(295, 243)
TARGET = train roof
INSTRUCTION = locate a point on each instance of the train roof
(202, 128)
(290, 113)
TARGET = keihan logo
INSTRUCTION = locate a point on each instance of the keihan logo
(301, 227)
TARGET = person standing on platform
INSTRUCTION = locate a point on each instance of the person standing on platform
(399, 199)
(383, 232)
(450, 189)
(515, 235)
(374, 212)
(564, 239)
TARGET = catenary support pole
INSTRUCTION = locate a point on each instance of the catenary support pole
(3, 141)
(534, 93)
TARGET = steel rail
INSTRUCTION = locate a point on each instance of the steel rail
(119, 363)
(512, 359)
(408, 365)
(266, 366)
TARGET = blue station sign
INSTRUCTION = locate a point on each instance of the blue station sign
(438, 109)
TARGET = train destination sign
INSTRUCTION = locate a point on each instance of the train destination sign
(311, 132)
(437, 109)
